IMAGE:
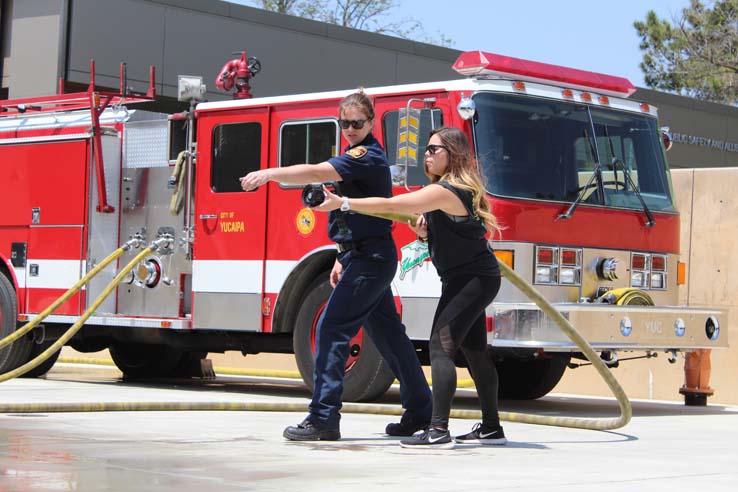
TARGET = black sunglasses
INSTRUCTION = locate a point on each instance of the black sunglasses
(357, 124)
(433, 148)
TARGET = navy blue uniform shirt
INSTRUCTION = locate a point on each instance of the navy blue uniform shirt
(364, 172)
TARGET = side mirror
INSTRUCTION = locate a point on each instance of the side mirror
(666, 138)
(399, 175)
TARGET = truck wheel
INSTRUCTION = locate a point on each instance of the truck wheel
(16, 353)
(528, 379)
(142, 360)
(46, 365)
(367, 375)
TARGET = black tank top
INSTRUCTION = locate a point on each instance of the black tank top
(457, 244)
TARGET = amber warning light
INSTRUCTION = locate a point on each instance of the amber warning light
(481, 63)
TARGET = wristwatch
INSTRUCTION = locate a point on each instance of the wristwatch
(345, 205)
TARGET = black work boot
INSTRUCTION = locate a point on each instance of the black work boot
(311, 431)
(406, 427)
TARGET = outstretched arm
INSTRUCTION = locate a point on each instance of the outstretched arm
(418, 202)
(294, 175)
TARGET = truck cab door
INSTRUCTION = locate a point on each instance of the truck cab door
(230, 224)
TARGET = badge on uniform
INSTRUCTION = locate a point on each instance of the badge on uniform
(413, 255)
(357, 152)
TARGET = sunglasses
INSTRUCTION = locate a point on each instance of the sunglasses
(433, 149)
(357, 124)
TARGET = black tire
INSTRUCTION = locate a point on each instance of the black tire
(367, 375)
(46, 365)
(528, 379)
(15, 354)
(141, 360)
(189, 365)
(90, 344)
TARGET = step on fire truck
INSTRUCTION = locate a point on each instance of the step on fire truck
(576, 173)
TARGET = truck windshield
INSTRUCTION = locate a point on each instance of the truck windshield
(541, 149)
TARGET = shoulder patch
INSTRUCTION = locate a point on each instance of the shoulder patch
(357, 152)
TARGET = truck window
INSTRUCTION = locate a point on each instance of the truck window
(542, 149)
(236, 152)
(626, 144)
(310, 142)
(178, 138)
(390, 128)
(307, 142)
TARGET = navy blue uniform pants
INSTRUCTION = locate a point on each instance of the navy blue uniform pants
(363, 297)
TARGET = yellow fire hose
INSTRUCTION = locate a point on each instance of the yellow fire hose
(596, 424)
(512, 277)
(81, 321)
(177, 181)
(17, 334)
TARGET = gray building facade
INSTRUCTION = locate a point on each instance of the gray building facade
(44, 40)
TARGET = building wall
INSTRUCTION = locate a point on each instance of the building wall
(199, 37)
(705, 134)
(33, 32)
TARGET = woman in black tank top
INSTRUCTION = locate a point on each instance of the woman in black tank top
(455, 222)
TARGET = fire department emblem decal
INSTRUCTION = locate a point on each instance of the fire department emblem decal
(305, 221)
(413, 255)
(357, 152)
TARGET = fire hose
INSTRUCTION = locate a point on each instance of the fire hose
(176, 182)
(509, 274)
(81, 321)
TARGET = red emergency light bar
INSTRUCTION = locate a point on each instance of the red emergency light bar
(481, 63)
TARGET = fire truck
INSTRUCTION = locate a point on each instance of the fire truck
(576, 173)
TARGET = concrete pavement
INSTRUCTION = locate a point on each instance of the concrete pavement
(666, 446)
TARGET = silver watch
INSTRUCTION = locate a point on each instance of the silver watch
(345, 205)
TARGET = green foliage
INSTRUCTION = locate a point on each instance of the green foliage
(695, 54)
(366, 15)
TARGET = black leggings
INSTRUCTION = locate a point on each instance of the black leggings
(459, 323)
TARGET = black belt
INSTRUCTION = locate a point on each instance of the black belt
(347, 245)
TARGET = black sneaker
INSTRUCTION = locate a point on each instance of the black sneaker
(481, 434)
(406, 427)
(310, 431)
(429, 439)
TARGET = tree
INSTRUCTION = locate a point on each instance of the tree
(696, 54)
(299, 8)
(367, 15)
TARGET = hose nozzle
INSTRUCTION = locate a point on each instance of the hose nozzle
(164, 241)
(136, 242)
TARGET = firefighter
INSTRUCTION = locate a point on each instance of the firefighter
(364, 268)
(457, 218)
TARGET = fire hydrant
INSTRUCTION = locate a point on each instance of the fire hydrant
(696, 387)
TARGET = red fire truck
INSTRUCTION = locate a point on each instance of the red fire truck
(576, 172)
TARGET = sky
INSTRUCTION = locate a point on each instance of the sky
(593, 35)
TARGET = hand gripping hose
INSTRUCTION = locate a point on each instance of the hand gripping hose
(510, 275)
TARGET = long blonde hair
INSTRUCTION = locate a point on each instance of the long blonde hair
(462, 172)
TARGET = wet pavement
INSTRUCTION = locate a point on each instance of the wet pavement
(666, 445)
